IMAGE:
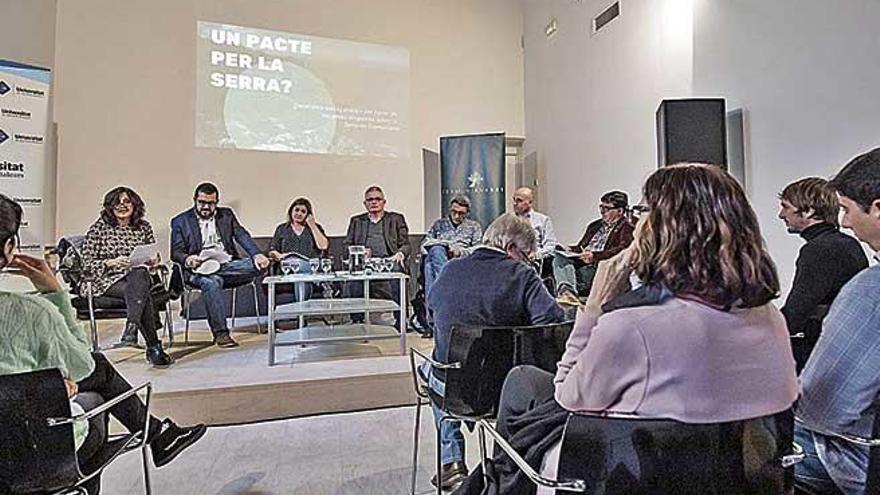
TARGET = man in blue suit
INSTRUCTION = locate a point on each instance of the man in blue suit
(209, 227)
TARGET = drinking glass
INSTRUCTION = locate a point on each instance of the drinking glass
(286, 268)
(389, 264)
(326, 265)
(314, 263)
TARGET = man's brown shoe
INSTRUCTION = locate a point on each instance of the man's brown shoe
(224, 341)
(568, 298)
(451, 474)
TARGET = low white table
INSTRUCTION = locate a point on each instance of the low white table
(314, 307)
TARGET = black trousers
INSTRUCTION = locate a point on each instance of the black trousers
(525, 387)
(135, 289)
(109, 384)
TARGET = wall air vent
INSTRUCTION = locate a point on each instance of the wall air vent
(607, 15)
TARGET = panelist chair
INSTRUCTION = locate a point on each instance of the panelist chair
(616, 454)
(92, 308)
(187, 291)
(38, 453)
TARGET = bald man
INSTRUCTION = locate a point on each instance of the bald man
(522, 206)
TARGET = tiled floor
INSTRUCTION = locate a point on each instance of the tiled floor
(361, 453)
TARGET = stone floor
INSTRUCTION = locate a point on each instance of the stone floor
(360, 453)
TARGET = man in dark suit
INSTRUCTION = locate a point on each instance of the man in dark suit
(824, 264)
(209, 227)
(385, 235)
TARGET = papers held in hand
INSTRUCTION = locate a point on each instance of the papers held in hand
(576, 253)
(216, 254)
(143, 254)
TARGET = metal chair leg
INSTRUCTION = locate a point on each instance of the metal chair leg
(439, 462)
(484, 460)
(169, 325)
(234, 297)
(415, 464)
(147, 488)
(257, 307)
(186, 303)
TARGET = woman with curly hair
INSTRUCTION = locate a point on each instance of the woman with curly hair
(109, 242)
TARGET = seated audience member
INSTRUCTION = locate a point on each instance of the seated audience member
(544, 234)
(824, 264)
(120, 228)
(700, 342)
(840, 385)
(450, 237)
(207, 228)
(40, 332)
(300, 234)
(494, 286)
(603, 239)
(385, 235)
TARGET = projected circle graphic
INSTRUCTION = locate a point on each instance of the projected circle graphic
(299, 121)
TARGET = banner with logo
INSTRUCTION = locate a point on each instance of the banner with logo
(473, 166)
(24, 110)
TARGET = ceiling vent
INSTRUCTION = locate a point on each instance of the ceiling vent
(607, 15)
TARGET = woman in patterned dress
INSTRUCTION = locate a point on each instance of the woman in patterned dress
(108, 244)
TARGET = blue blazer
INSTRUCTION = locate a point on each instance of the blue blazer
(186, 236)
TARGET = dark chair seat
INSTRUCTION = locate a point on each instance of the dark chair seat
(629, 456)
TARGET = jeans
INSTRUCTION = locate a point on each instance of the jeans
(135, 289)
(232, 274)
(573, 274)
(435, 259)
(451, 438)
(810, 474)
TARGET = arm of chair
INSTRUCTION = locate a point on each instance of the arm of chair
(148, 386)
(414, 369)
(579, 486)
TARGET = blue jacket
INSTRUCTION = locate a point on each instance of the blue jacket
(186, 236)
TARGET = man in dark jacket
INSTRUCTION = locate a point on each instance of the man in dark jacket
(199, 234)
(385, 235)
(575, 266)
(824, 265)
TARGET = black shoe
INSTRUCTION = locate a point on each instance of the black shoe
(451, 474)
(157, 356)
(224, 341)
(173, 440)
(129, 336)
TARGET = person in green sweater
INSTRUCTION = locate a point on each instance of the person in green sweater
(40, 332)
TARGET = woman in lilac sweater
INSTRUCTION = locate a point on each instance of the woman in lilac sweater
(700, 342)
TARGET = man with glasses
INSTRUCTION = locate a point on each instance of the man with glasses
(450, 237)
(209, 228)
(575, 266)
(386, 235)
(522, 206)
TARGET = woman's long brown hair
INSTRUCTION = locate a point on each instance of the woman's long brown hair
(701, 238)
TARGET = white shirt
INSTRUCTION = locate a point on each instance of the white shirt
(544, 231)
(210, 237)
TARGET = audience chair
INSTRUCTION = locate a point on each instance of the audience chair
(92, 308)
(188, 291)
(479, 359)
(872, 483)
(37, 453)
(627, 455)
(541, 345)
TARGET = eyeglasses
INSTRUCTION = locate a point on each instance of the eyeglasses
(206, 203)
(374, 200)
(124, 203)
(604, 208)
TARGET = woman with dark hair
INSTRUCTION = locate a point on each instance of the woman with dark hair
(39, 331)
(109, 242)
(699, 342)
(300, 233)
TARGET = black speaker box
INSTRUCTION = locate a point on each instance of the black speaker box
(692, 130)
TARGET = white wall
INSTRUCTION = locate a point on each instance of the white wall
(590, 99)
(126, 74)
(807, 73)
